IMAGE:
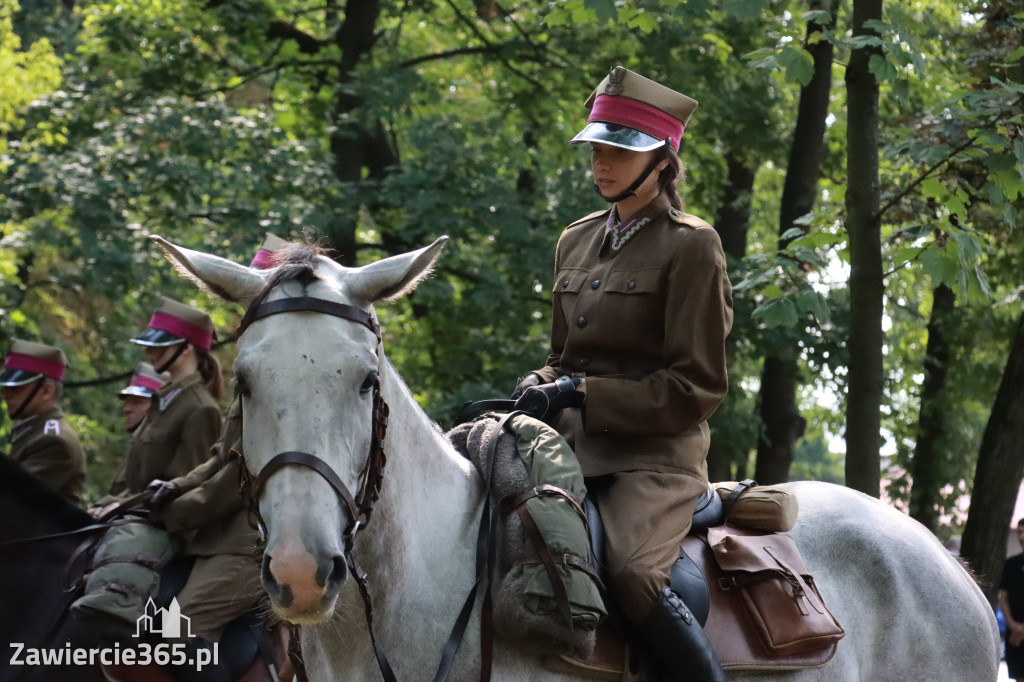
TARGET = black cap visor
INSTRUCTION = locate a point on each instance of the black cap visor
(18, 377)
(617, 135)
(157, 337)
(138, 391)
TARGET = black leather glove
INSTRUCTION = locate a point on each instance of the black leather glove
(531, 379)
(544, 400)
(163, 493)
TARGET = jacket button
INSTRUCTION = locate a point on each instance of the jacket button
(595, 284)
(582, 322)
(565, 284)
(632, 284)
(584, 362)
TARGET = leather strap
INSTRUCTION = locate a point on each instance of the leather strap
(387, 673)
(545, 490)
(740, 488)
(472, 408)
(295, 653)
(557, 586)
(103, 523)
(485, 560)
(313, 305)
(310, 462)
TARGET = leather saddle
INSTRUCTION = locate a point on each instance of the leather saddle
(687, 579)
(695, 577)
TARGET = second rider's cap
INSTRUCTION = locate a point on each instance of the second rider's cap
(145, 382)
(265, 258)
(175, 322)
(633, 112)
(27, 361)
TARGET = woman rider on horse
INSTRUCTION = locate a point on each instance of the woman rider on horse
(642, 307)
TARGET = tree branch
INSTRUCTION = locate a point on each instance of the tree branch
(307, 43)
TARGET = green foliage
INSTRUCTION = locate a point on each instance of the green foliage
(212, 123)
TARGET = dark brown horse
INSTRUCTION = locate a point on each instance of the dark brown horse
(43, 553)
(40, 533)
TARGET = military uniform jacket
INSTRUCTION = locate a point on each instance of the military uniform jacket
(211, 503)
(175, 436)
(47, 447)
(644, 318)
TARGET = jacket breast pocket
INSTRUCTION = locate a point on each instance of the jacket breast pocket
(637, 299)
(566, 289)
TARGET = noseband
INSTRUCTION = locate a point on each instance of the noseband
(360, 505)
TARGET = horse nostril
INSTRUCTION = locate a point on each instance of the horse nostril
(269, 581)
(339, 571)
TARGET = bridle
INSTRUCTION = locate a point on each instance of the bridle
(359, 506)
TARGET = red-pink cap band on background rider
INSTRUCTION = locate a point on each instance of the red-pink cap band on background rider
(636, 114)
(146, 382)
(263, 260)
(197, 336)
(30, 363)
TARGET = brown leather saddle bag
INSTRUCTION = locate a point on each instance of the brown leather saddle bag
(765, 578)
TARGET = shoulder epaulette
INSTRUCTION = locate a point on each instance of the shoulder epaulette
(687, 219)
(588, 217)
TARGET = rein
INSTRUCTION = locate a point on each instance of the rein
(359, 506)
(105, 522)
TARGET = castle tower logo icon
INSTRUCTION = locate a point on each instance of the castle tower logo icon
(172, 624)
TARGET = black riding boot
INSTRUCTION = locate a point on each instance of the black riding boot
(679, 642)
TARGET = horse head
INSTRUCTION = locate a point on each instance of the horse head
(308, 382)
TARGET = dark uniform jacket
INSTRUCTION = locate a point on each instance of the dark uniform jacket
(646, 324)
(175, 437)
(47, 447)
(210, 503)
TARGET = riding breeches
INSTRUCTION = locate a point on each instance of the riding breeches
(219, 589)
(646, 515)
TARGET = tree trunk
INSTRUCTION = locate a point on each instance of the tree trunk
(732, 223)
(355, 145)
(926, 468)
(733, 219)
(781, 420)
(863, 223)
(998, 476)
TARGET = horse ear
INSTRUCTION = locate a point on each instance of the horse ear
(395, 276)
(219, 276)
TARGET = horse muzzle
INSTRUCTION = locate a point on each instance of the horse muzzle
(303, 587)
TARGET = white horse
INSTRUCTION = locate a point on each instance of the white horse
(910, 610)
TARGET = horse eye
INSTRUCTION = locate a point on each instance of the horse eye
(368, 382)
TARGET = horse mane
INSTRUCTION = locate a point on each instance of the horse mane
(32, 505)
(294, 261)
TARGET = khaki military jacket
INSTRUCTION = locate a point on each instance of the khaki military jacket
(47, 447)
(211, 503)
(644, 318)
(175, 437)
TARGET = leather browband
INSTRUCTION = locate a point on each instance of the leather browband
(315, 305)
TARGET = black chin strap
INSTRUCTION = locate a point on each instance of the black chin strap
(31, 396)
(631, 190)
(177, 354)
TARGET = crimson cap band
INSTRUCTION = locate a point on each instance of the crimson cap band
(633, 112)
(175, 322)
(145, 382)
(27, 361)
(264, 258)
